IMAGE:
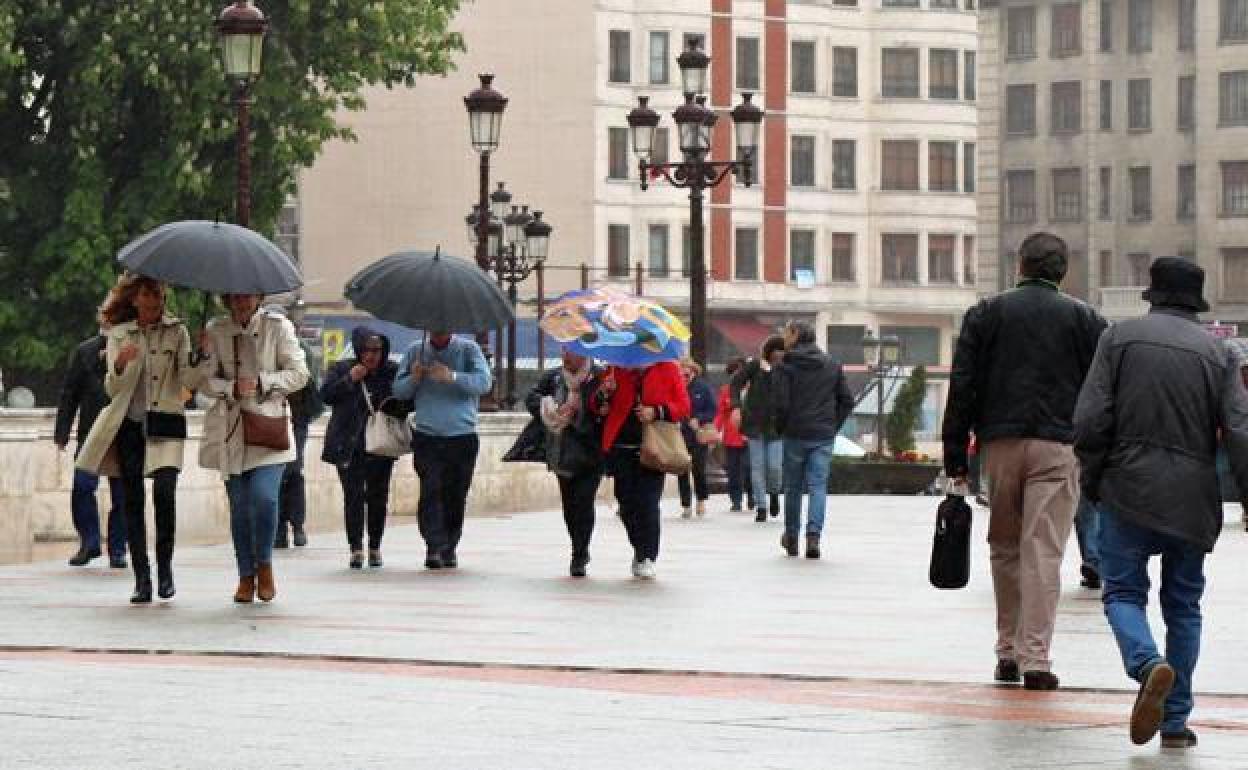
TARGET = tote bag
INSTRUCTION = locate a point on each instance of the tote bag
(384, 435)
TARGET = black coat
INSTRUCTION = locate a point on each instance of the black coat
(811, 398)
(758, 414)
(1147, 422)
(83, 393)
(344, 438)
(576, 450)
(1020, 360)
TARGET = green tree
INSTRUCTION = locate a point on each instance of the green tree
(116, 117)
(907, 409)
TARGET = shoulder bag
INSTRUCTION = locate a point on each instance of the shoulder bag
(384, 435)
(261, 430)
(662, 444)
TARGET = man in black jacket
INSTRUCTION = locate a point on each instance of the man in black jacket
(83, 396)
(812, 401)
(1021, 358)
(1146, 430)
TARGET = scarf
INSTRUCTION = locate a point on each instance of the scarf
(556, 413)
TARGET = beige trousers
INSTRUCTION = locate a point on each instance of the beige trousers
(1032, 491)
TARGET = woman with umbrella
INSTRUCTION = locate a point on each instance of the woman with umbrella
(140, 433)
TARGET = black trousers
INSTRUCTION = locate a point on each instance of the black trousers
(637, 489)
(292, 500)
(131, 451)
(737, 466)
(698, 471)
(577, 494)
(445, 465)
(365, 485)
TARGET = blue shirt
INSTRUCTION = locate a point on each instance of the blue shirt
(445, 409)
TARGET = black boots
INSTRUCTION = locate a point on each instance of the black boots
(83, 556)
(774, 502)
(164, 580)
(142, 587)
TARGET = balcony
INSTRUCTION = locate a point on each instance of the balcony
(1118, 302)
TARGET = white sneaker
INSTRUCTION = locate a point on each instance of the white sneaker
(636, 568)
(686, 513)
(645, 570)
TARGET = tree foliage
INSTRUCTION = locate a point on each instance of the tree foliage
(907, 409)
(116, 117)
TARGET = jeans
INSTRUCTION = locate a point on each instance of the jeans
(1125, 551)
(253, 515)
(365, 484)
(445, 465)
(698, 453)
(735, 458)
(577, 494)
(292, 507)
(766, 468)
(637, 489)
(806, 467)
(87, 515)
(132, 451)
(1088, 534)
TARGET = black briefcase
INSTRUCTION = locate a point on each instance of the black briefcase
(951, 545)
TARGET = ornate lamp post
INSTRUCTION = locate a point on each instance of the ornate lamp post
(241, 27)
(696, 172)
(881, 355)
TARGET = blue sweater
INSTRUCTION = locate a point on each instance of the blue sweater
(445, 409)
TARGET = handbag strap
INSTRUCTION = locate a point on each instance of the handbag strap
(368, 399)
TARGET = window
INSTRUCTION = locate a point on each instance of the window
(1020, 196)
(942, 166)
(658, 251)
(802, 67)
(901, 73)
(1106, 268)
(1020, 32)
(1139, 107)
(968, 76)
(940, 259)
(1137, 268)
(844, 162)
(617, 153)
(1020, 109)
(901, 3)
(747, 254)
(801, 254)
(1187, 25)
(1105, 200)
(845, 72)
(942, 73)
(747, 63)
(662, 142)
(1185, 207)
(1107, 105)
(1141, 179)
(1065, 108)
(968, 260)
(287, 237)
(621, 56)
(919, 344)
(900, 258)
(1235, 188)
(1187, 103)
(900, 169)
(1139, 26)
(617, 251)
(1233, 98)
(660, 57)
(1067, 195)
(1107, 25)
(845, 343)
(842, 268)
(951, 5)
(1233, 21)
(1235, 274)
(968, 167)
(802, 161)
(1066, 30)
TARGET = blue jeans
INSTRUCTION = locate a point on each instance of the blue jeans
(806, 468)
(253, 515)
(766, 468)
(1125, 551)
(1088, 534)
(87, 514)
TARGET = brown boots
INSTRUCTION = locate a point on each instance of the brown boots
(261, 586)
(246, 591)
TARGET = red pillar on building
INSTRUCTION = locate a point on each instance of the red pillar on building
(722, 52)
(775, 142)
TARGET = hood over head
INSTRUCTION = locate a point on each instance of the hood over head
(361, 334)
(806, 357)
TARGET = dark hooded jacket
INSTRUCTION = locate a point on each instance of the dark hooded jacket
(758, 413)
(344, 438)
(83, 394)
(810, 395)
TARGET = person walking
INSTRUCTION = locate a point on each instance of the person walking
(736, 453)
(1088, 536)
(812, 402)
(140, 433)
(255, 362)
(751, 388)
(1021, 358)
(445, 378)
(305, 407)
(695, 430)
(1146, 432)
(629, 399)
(83, 397)
(354, 389)
(561, 399)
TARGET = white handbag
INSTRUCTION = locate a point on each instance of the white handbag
(384, 435)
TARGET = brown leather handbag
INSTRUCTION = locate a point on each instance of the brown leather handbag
(262, 430)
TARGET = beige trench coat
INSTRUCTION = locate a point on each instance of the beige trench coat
(268, 349)
(165, 351)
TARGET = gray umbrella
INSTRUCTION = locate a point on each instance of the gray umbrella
(213, 256)
(434, 291)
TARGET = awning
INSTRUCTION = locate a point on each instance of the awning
(745, 334)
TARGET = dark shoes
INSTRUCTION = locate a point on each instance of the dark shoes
(1040, 680)
(577, 567)
(300, 537)
(357, 560)
(812, 547)
(1091, 579)
(1007, 671)
(449, 559)
(117, 563)
(164, 581)
(433, 560)
(789, 544)
(735, 509)
(1150, 703)
(83, 556)
(142, 590)
(762, 515)
(374, 557)
(1183, 740)
(281, 541)
(775, 505)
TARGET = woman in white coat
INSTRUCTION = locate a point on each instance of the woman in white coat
(140, 433)
(254, 360)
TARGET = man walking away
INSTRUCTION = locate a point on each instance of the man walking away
(305, 406)
(83, 396)
(1146, 431)
(1021, 358)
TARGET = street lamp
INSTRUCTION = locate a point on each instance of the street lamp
(694, 122)
(241, 27)
(881, 355)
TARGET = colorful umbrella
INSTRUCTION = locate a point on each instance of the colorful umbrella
(615, 328)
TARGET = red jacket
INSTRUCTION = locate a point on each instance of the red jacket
(732, 437)
(661, 387)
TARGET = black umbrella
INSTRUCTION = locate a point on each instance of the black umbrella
(434, 291)
(213, 256)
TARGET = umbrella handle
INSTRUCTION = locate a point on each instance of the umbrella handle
(197, 355)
